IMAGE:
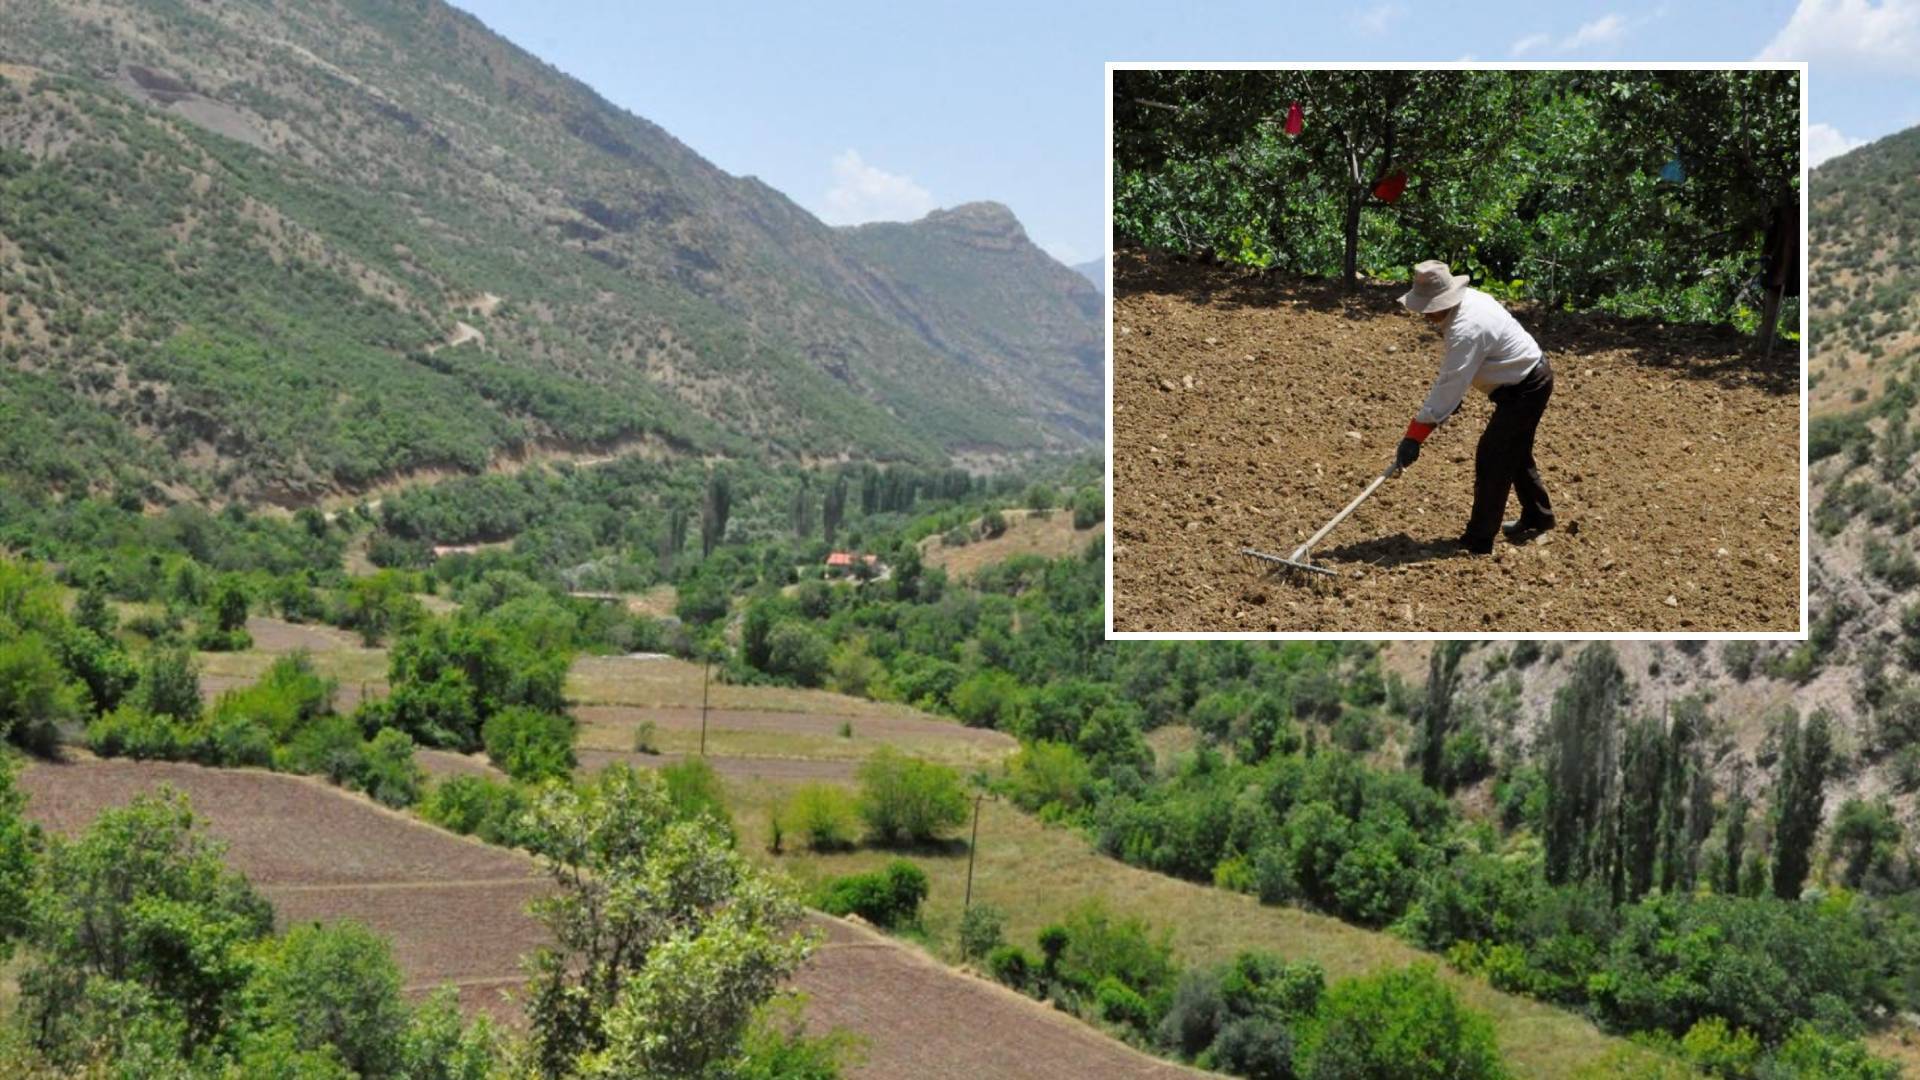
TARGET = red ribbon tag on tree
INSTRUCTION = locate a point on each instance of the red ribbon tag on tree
(1295, 120)
(1390, 189)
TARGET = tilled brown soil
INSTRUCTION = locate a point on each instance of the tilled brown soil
(1248, 409)
(455, 912)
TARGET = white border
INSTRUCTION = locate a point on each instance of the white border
(1457, 65)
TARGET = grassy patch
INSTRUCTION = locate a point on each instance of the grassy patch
(1036, 874)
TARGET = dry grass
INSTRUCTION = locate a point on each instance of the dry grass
(619, 680)
(1037, 874)
(1049, 534)
(816, 736)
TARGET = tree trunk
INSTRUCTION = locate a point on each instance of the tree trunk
(1350, 265)
(1770, 322)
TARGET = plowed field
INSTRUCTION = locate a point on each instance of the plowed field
(454, 910)
(1248, 409)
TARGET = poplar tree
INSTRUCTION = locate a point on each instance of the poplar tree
(1806, 753)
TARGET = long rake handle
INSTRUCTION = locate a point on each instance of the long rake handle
(1300, 553)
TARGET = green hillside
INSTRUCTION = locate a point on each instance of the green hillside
(271, 252)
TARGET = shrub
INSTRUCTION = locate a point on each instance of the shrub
(1194, 1016)
(993, 524)
(234, 740)
(130, 731)
(1089, 508)
(981, 930)
(1394, 1025)
(1100, 945)
(1012, 966)
(388, 771)
(1718, 1051)
(646, 737)
(1739, 656)
(906, 799)
(35, 693)
(530, 745)
(888, 897)
(797, 652)
(1048, 774)
(1116, 1004)
(329, 747)
(990, 698)
(477, 806)
(169, 685)
(1259, 1048)
(822, 816)
(695, 791)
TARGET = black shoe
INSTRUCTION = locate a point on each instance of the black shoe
(1474, 546)
(1526, 528)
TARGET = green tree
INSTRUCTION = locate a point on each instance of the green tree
(336, 987)
(1800, 794)
(664, 938)
(1436, 712)
(170, 685)
(36, 693)
(1403, 1024)
(144, 898)
(1581, 768)
(19, 845)
(530, 745)
(905, 799)
(1867, 836)
(715, 507)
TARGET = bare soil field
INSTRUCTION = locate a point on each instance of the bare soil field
(454, 910)
(860, 979)
(282, 830)
(1249, 409)
(1050, 535)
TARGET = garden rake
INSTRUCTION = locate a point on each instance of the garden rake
(1298, 560)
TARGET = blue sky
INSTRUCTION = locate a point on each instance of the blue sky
(881, 111)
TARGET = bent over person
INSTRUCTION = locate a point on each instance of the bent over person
(1487, 349)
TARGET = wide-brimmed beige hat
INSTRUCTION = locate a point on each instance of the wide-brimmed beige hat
(1435, 288)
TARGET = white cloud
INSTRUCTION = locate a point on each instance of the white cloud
(1608, 29)
(1824, 141)
(863, 192)
(1532, 43)
(1605, 30)
(1883, 37)
(1376, 19)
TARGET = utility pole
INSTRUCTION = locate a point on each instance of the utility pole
(706, 674)
(972, 847)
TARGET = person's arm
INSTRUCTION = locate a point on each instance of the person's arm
(1450, 387)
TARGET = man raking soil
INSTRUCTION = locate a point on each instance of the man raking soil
(1487, 349)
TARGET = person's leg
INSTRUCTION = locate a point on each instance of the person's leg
(1535, 506)
(1494, 461)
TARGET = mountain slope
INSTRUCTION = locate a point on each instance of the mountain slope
(293, 248)
(975, 286)
(1094, 270)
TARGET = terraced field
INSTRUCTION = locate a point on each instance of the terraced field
(454, 910)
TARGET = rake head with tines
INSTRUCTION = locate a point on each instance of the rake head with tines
(1299, 559)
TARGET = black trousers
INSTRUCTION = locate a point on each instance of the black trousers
(1504, 460)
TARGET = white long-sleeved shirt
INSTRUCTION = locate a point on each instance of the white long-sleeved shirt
(1486, 348)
